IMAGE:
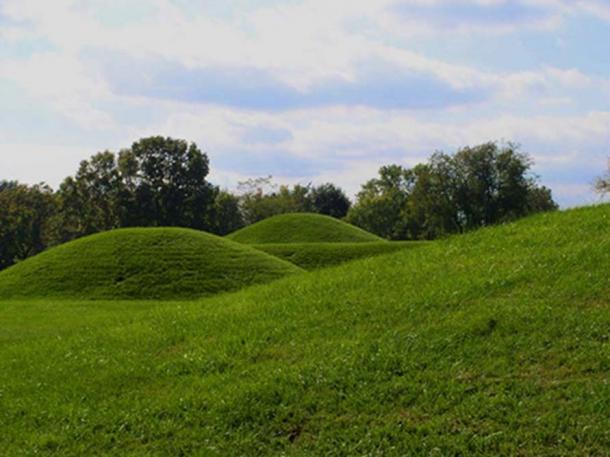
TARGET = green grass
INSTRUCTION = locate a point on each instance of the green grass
(492, 343)
(152, 263)
(312, 256)
(301, 228)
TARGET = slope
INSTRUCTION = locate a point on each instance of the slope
(142, 263)
(312, 256)
(493, 343)
(301, 228)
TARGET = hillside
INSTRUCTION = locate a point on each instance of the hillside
(312, 256)
(301, 228)
(141, 263)
(492, 343)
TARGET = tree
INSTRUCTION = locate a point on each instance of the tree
(6, 185)
(25, 212)
(382, 202)
(227, 214)
(165, 184)
(475, 187)
(88, 202)
(330, 200)
(260, 198)
(602, 184)
(157, 182)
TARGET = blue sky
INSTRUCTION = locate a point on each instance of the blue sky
(307, 90)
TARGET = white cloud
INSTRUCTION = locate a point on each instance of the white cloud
(301, 44)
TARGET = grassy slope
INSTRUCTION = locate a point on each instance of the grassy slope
(301, 228)
(494, 343)
(312, 256)
(142, 263)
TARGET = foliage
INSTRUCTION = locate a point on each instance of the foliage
(226, 215)
(313, 256)
(140, 263)
(166, 182)
(491, 343)
(330, 200)
(261, 199)
(157, 182)
(162, 181)
(25, 214)
(476, 187)
(602, 184)
(301, 228)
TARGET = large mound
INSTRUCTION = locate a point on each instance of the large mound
(301, 228)
(495, 343)
(312, 256)
(142, 263)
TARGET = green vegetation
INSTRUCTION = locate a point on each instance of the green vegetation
(491, 343)
(162, 182)
(144, 263)
(476, 187)
(312, 256)
(301, 228)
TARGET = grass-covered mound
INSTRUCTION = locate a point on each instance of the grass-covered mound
(493, 343)
(312, 256)
(301, 228)
(142, 263)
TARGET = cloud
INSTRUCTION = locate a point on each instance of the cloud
(376, 84)
(462, 14)
(302, 89)
(262, 134)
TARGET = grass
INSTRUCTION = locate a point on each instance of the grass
(312, 256)
(492, 343)
(152, 263)
(301, 228)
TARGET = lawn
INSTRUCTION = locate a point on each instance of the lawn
(491, 343)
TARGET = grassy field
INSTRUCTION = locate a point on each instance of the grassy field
(492, 343)
(167, 263)
(312, 256)
(301, 228)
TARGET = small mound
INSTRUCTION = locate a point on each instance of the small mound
(313, 256)
(142, 263)
(302, 228)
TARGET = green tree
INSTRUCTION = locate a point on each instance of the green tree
(260, 198)
(227, 213)
(25, 212)
(475, 187)
(165, 184)
(5, 185)
(88, 202)
(330, 200)
(157, 182)
(382, 202)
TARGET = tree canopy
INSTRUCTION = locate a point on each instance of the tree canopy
(476, 187)
(162, 181)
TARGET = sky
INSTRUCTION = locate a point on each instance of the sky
(307, 90)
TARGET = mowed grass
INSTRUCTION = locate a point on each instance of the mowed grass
(142, 263)
(301, 228)
(312, 256)
(493, 343)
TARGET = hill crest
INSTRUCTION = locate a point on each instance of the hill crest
(301, 228)
(142, 263)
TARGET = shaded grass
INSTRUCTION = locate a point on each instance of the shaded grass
(312, 256)
(301, 228)
(493, 343)
(144, 263)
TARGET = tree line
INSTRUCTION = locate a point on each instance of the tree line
(162, 181)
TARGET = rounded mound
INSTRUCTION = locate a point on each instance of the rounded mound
(142, 263)
(301, 228)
